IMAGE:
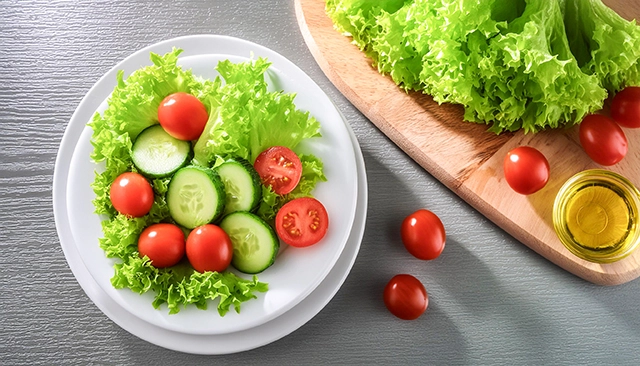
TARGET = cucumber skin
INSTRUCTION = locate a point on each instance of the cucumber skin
(166, 175)
(276, 241)
(215, 180)
(257, 183)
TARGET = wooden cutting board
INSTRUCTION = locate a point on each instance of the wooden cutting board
(464, 156)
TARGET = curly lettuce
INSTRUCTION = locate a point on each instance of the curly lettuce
(244, 118)
(525, 64)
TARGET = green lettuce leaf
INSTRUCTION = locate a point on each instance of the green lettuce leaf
(247, 119)
(524, 64)
(180, 285)
(357, 18)
(604, 44)
(529, 77)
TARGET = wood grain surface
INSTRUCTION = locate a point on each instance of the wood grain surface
(492, 300)
(464, 156)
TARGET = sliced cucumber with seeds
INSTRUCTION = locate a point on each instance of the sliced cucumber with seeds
(156, 154)
(195, 196)
(255, 244)
(242, 185)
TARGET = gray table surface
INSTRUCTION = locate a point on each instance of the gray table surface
(492, 300)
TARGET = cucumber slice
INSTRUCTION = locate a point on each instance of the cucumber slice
(255, 244)
(195, 196)
(241, 184)
(156, 154)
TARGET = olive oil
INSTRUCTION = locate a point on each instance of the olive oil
(596, 216)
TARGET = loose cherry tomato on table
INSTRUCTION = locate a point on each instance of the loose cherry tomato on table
(625, 107)
(302, 222)
(280, 168)
(183, 116)
(423, 234)
(209, 248)
(526, 170)
(131, 194)
(163, 243)
(602, 139)
(406, 297)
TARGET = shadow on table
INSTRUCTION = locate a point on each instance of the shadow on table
(468, 303)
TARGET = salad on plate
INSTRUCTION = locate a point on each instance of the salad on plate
(201, 181)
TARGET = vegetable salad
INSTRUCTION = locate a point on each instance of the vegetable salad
(244, 119)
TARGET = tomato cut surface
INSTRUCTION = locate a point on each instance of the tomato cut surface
(406, 297)
(423, 234)
(280, 168)
(625, 107)
(131, 194)
(302, 222)
(164, 244)
(183, 116)
(602, 139)
(526, 170)
(209, 248)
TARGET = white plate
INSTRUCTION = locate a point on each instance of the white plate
(221, 343)
(297, 271)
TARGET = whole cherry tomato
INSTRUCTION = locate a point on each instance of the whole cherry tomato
(406, 297)
(423, 234)
(625, 107)
(526, 170)
(209, 248)
(183, 116)
(131, 194)
(602, 139)
(163, 244)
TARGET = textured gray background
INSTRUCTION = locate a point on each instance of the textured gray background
(492, 300)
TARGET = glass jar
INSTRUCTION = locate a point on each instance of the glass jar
(595, 216)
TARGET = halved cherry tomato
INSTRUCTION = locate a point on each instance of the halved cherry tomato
(163, 244)
(131, 194)
(280, 168)
(209, 248)
(526, 170)
(423, 234)
(302, 222)
(406, 297)
(183, 116)
(602, 139)
(625, 107)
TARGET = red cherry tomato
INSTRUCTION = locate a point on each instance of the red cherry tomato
(302, 222)
(526, 170)
(183, 116)
(163, 244)
(209, 249)
(406, 297)
(625, 107)
(131, 194)
(280, 168)
(423, 234)
(602, 139)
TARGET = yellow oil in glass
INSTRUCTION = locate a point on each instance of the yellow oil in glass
(596, 216)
